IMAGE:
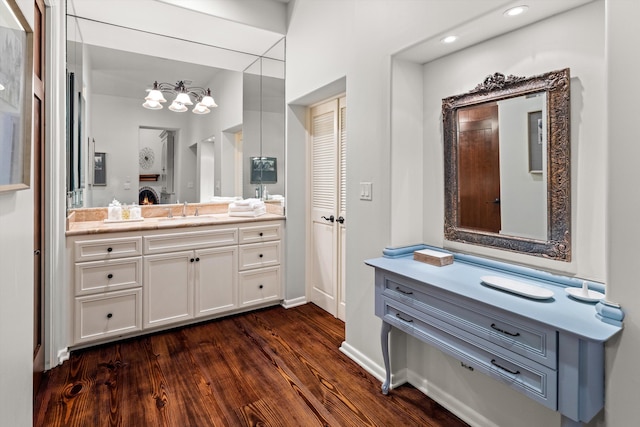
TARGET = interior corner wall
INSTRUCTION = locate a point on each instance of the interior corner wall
(407, 151)
(623, 204)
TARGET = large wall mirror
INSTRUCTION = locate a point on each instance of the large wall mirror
(507, 158)
(164, 156)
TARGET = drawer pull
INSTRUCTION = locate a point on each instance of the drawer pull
(494, 363)
(260, 286)
(402, 291)
(261, 234)
(399, 316)
(260, 255)
(109, 276)
(109, 249)
(109, 316)
(493, 326)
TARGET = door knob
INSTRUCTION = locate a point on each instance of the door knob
(330, 219)
(340, 219)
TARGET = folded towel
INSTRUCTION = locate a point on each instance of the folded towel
(224, 199)
(247, 202)
(244, 205)
(251, 213)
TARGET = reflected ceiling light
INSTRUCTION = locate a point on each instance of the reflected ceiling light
(1, 87)
(185, 95)
(449, 39)
(515, 11)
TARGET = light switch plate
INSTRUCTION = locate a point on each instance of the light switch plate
(365, 191)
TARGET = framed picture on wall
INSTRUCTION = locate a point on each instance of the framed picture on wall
(15, 100)
(264, 170)
(100, 169)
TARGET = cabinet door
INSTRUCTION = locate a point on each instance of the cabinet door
(216, 280)
(168, 288)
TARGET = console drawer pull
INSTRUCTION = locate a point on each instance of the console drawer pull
(403, 291)
(494, 363)
(517, 334)
(403, 319)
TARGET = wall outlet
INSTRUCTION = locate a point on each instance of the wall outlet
(365, 191)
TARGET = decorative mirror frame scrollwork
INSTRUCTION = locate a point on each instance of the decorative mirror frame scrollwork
(495, 87)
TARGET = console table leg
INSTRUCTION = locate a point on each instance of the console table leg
(384, 338)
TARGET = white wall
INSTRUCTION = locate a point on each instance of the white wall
(16, 297)
(331, 39)
(623, 204)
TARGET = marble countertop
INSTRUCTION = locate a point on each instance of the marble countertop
(92, 220)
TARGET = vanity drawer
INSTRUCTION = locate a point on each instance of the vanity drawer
(100, 276)
(259, 255)
(537, 381)
(112, 313)
(532, 340)
(258, 286)
(92, 250)
(259, 233)
(162, 243)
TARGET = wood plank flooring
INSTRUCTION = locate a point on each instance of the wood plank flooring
(271, 367)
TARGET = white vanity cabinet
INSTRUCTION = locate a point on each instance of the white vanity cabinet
(189, 274)
(130, 282)
(259, 263)
(107, 287)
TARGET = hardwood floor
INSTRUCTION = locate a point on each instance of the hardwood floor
(272, 367)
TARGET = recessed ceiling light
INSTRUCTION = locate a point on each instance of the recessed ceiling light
(515, 11)
(449, 39)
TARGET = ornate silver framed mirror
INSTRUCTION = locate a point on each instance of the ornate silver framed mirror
(507, 165)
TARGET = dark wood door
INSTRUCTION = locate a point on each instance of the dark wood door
(479, 168)
(38, 193)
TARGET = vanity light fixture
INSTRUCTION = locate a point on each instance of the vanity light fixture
(449, 39)
(203, 98)
(1, 87)
(515, 11)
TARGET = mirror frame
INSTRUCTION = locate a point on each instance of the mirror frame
(496, 87)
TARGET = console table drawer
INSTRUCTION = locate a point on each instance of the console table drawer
(532, 341)
(533, 379)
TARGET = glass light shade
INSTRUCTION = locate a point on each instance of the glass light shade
(152, 105)
(155, 95)
(177, 107)
(183, 98)
(1, 87)
(208, 102)
(200, 108)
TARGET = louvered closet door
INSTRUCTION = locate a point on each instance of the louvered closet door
(327, 205)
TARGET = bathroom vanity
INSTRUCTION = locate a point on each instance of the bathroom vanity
(548, 345)
(135, 277)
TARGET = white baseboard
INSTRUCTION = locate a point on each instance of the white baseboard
(63, 355)
(397, 378)
(453, 405)
(294, 302)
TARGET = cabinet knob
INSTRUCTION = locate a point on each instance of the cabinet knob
(261, 234)
(192, 259)
(260, 255)
(260, 286)
(197, 258)
(109, 276)
(109, 316)
(109, 249)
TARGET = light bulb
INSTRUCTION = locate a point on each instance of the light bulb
(177, 107)
(200, 108)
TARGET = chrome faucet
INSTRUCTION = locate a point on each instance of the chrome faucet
(184, 209)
